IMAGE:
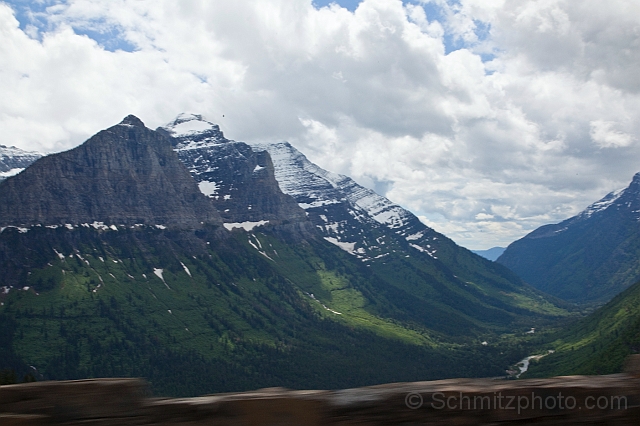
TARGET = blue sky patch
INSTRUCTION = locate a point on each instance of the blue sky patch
(434, 13)
(347, 4)
(34, 14)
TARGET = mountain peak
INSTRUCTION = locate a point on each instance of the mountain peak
(635, 183)
(189, 116)
(189, 125)
(131, 120)
(193, 131)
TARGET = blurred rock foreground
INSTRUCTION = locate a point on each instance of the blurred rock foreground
(603, 400)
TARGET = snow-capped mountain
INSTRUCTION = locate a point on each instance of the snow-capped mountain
(587, 258)
(14, 160)
(239, 180)
(368, 226)
(403, 257)
(348, 215)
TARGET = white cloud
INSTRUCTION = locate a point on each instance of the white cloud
(605, 136)
(483, 150)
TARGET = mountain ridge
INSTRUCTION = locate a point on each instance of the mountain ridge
(375, 231)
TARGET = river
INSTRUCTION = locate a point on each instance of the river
(523, 365)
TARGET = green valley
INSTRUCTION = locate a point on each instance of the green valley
(196, 318)
(596, 344)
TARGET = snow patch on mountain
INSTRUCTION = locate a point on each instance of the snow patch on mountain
(159, 273)
(602, 204)
(318, 203)
(348, 247)
(186, 269)
(417, 247)
(247, 226)
(9, 173)
(413, 237)
(208, 188)
(258, 246)
(193, 126)
(193, 132)
(20, 229)
(312, 296)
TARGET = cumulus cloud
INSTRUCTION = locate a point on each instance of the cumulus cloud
(603, 134)
(485, 118)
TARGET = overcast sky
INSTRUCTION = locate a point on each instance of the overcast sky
(486, 118)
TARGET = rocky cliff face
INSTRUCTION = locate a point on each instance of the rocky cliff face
(125, 175)
(239, 180)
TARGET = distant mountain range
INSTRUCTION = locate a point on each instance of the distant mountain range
(588, 258)
(492, 254)
(208, 265)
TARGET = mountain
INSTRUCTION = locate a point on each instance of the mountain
(13, 160)
(492, 254)
(442, 279)
(174, 255)
(239, 181)
(597, 344)
(123, 176)
(588, 258)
